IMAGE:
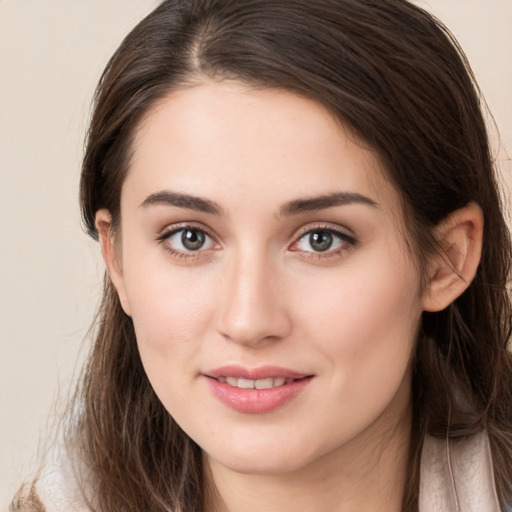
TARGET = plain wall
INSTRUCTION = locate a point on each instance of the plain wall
(51, 55)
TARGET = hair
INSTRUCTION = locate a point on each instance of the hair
(392, 74)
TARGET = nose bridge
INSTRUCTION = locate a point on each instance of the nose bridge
(252, 308)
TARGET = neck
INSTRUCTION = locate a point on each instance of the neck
(366, 475)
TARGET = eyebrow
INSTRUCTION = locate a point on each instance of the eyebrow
(325, 201)
(182, 201)
(294, 207)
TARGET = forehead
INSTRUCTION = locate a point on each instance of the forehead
(224, 138)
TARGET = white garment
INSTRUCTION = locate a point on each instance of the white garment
(57, 487)
(457, 476)
(454, 477)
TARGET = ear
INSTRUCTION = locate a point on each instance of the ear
(111, 255)
(452, 269)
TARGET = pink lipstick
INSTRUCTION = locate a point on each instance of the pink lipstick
(256, 390)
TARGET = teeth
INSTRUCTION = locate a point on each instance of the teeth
(241, 383)
(264, 383)
(232, 381)
(246, 383)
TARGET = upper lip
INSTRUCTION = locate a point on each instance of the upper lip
(261, 372)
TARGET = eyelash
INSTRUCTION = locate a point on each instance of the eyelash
(342, 236)
(173, 230)
(348, 241)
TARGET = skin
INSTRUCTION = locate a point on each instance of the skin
(259, 293)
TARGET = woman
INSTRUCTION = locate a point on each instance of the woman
(306, 303)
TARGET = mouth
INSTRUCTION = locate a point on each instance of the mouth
(258, 390)
(241, 383)
(241, 376)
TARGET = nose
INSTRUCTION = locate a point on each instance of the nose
(253, 305)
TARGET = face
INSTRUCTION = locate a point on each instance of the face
(262, 259)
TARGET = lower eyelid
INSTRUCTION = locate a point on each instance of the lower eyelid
(182, 255)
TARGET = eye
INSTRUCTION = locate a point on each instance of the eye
(187, 240)
(323, 240)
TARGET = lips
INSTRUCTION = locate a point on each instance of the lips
(262, 372)
(256, 390)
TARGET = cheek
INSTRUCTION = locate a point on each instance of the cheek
(366, 327)
(361, 306)
(171, 311)
(170, 317)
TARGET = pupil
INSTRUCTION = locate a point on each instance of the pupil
(320, 241)
(192, 240)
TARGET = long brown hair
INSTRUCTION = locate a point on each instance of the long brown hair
(393, 74)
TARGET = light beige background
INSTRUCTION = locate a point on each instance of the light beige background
(51, 55)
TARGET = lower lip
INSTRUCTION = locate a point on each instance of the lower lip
(257, 401)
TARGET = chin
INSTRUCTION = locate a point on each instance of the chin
(264, 466)
(275, 458)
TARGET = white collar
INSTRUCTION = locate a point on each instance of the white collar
(457, 476)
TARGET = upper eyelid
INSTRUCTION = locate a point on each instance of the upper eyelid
(334, 228)
(174, 228)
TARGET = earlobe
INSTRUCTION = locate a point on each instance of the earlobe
(103, 222)
(454, 267)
